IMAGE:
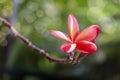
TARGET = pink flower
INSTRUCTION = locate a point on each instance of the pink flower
(82, 41)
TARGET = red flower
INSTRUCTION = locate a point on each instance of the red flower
(82, 41)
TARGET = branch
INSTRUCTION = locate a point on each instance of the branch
(31, 45)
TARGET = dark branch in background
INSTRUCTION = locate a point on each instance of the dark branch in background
(14, 12)
(26, 41)
(9, 37)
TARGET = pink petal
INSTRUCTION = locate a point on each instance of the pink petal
(67, 47)
(60, 35)
(73, 26)
(86, 47)
(89, 33)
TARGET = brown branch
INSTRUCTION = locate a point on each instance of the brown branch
(29, 43)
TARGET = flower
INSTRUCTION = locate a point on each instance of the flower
(82, 41)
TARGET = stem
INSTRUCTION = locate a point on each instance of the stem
(30, 44)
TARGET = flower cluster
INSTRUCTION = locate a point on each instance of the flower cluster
(83, 41)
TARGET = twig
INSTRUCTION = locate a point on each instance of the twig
(29, 43)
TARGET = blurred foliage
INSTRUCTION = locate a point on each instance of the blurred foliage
(36, 17)
(5, 8)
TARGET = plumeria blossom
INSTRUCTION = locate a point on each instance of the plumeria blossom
(83, 41)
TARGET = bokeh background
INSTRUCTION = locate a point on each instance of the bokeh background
(34, 19)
